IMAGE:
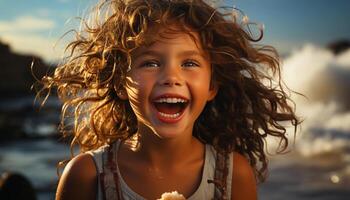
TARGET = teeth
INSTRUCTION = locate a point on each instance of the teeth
(170, 100)
(169, 115)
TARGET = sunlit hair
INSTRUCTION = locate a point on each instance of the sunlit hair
(249, 106)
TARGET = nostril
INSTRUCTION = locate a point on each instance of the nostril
(171, 83)
(168, 83)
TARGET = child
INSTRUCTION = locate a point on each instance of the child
(168, 95)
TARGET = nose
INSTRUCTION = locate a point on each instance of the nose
(171, 76)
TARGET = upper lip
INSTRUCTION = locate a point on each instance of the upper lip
(170, 95)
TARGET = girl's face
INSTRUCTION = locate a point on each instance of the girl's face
(169, 83)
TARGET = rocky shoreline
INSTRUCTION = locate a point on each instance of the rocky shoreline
(20, 116)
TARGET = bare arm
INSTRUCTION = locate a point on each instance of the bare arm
(79, 180)
(243, 179)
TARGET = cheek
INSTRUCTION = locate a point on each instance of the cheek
(200, 82)
(134, 84)
(138, 88)
(134, 93)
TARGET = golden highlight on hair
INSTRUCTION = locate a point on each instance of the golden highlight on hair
(244, 112)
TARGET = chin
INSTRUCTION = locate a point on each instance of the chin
(167, 135)
(167, 131)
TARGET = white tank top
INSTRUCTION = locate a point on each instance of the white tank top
(203, 192)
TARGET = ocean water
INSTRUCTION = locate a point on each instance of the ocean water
(322, 177)
(291, 176)
(35, 159)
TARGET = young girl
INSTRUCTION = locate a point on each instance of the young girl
(168, 95)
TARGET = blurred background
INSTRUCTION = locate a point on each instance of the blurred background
(312, 38)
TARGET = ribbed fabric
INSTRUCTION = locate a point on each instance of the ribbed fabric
(204, 191)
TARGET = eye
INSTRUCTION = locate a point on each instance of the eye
(190, 63)
(150, 63)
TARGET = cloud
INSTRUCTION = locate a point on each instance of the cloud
(44, 12)
(34, 44)
(26, 23)
(31, 35)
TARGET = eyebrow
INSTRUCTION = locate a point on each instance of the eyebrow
(159, 54)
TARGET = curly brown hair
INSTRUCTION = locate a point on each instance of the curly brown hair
(244, 112)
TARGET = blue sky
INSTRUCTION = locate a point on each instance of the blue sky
(295, 22)
(36, 25)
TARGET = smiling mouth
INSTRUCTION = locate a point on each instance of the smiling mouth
(170, 107)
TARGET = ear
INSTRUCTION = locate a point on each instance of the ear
(122, 94)
(213, 90)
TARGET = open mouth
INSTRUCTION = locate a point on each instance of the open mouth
(170, 107)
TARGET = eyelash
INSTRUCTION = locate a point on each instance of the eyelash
(149, 63)
(192, 63)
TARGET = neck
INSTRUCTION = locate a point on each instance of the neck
(166, 153)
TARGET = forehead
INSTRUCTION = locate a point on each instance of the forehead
(175, 36)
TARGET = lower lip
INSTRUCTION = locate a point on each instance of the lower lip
(168, 119)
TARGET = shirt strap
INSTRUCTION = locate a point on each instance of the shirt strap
(220, 176)
(109, 177)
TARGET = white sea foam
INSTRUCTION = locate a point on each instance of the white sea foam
(324, 78)
(320, 158)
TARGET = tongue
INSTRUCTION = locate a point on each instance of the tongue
(168, 108)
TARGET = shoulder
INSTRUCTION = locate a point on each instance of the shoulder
(243, 179)
(79, 179)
